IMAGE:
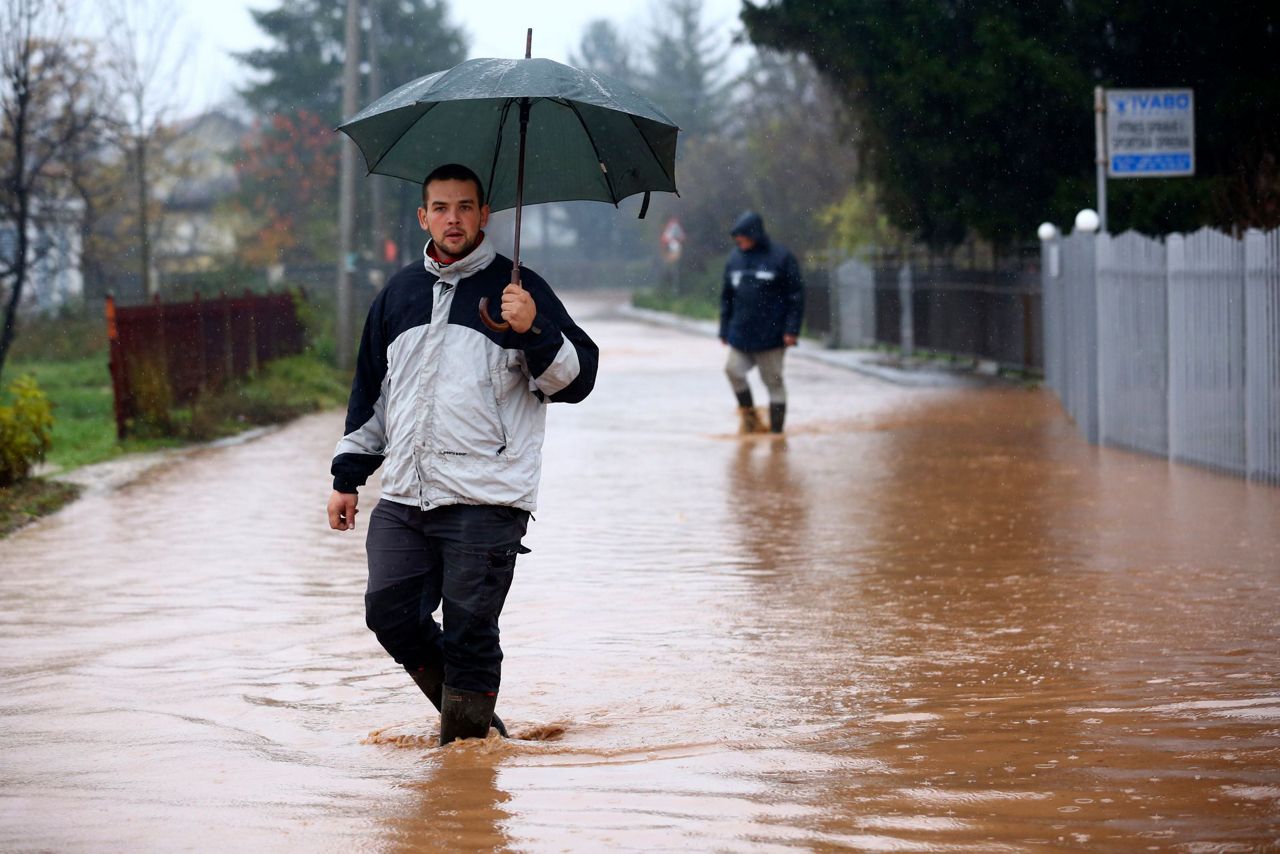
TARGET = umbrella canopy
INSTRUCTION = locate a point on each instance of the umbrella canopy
(589, 136)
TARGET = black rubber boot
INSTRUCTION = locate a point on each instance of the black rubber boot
(744, 399)
(777, 415)
(430, 680)
(465, 714)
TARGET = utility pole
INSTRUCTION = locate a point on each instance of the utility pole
(347, 192)
(1100, 151)
(378, 231)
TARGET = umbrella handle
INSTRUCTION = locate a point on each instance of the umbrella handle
(485, 318)
(494, 325)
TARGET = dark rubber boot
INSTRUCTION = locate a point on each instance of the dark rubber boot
(777, 415)
(465, 714)
(744, 399)
(430, 680)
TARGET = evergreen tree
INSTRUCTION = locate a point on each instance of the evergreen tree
(600, 233)
(979, 115)
(686, 67)
(603, 51)
(303, 66)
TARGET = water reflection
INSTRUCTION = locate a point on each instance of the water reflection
(456, 805)
(768, 504)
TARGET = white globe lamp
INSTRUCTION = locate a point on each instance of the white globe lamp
(1087, 221)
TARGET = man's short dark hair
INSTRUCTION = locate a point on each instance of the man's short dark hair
(454, 172)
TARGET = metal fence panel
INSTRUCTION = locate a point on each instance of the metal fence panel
(1132, 343)
(981, 314)
(1262, 365)
(888, 306)
(1206, 350)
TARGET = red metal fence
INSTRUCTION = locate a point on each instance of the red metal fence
(168, 354)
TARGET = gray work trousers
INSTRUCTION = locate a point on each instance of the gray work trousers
(770, 364)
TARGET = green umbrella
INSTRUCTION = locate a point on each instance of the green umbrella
(532, 129)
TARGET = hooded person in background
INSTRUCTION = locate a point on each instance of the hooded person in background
(761, 306)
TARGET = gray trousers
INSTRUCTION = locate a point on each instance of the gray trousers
(770, 364)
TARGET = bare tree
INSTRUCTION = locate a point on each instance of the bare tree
(146, 66)
(49, 114)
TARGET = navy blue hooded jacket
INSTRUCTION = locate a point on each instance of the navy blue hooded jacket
(763, 294)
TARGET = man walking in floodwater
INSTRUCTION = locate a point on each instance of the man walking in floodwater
(761, 306)
(454, 412)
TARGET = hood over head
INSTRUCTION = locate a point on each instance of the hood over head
(751, 225)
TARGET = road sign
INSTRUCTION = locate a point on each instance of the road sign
(672, 240)
(1150, 133)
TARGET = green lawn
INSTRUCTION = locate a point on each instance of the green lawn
(84, 427)
(68, 357)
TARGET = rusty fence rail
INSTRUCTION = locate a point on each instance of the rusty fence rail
(169, 354)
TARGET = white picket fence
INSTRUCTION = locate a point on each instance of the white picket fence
(1169, 347)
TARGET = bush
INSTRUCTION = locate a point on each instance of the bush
(152, 400)
(26, 430)
(283, 389)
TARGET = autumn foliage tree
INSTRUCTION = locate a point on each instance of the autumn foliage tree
(298, 75)
(288, 171)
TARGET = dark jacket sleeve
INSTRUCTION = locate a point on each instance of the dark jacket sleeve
(361, 449)
(794, 295)
(561, 357)
(726, 304)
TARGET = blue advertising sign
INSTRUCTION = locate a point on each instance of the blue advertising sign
(1150, 133)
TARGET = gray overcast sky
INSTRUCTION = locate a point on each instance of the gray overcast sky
(495, 27)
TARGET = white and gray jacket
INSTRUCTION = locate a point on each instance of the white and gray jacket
(454, 412)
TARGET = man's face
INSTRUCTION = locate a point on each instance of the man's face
(453, 216)
(744, 243)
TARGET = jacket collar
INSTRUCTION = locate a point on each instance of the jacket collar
(482, 256)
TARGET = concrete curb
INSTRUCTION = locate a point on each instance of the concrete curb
(920, 374)
(113, 474)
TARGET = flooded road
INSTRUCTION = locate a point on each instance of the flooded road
(926, 620)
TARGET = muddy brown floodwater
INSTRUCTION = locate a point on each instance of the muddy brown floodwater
(926, 620)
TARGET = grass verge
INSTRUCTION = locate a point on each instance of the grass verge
(697, 306)
(84, 426)
(84, 429)
(31, 499)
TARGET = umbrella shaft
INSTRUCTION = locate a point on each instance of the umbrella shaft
(524, 128)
